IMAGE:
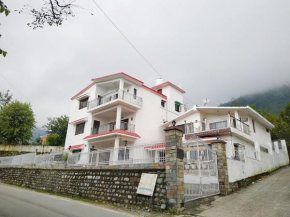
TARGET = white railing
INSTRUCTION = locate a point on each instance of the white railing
(112, 126)
(117, 94)
(239, 125)
(32, 159)
(137, 154)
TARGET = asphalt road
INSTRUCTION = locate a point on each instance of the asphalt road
(18, 202)
(269, 197)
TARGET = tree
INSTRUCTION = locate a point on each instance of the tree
(57, 125)
(16, 123)
(52, 12)
(5, 98)
(54, 139)
(6, 11)
(38, 141)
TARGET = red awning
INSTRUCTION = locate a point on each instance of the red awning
(75, 147)
(156, 146)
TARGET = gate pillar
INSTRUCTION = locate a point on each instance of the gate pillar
(174, 167)
(219, 147)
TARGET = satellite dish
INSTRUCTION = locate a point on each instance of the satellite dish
(206, 100)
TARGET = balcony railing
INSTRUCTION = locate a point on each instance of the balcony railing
(117, 94)
(112, 126)
(239, 125)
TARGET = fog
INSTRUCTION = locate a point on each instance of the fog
(214, 49)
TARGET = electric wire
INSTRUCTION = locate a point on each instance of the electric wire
(134, 47)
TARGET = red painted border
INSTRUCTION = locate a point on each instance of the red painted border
(75, 146)
(113, 131)
(87, 87)
(168, 83)
(119, 73)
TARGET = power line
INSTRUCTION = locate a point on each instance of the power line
(131, 43)
(22, 93)
(127, 39)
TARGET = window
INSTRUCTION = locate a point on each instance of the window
(244, 120)
(80, 128)
(218, 125)
(123, 154)
(177, 108)
(163, 103)
(159, 91)
(237, 153)
(253, 122)
(83, 103)
(267, 130)
(135, 93)
(263, 149)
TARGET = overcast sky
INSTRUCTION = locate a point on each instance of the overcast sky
(214, 49)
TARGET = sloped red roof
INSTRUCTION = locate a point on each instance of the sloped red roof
(112, 132)
(75, 146)
(166, 84)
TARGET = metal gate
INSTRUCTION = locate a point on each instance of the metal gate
(200, 170)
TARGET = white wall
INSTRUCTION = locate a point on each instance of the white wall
(238, 170)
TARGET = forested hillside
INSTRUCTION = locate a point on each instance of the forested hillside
(273, 101)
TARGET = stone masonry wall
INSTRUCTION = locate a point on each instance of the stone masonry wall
(116, 186)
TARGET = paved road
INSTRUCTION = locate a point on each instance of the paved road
(18, 202)
(269, 197)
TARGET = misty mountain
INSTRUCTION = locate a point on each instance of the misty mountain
(273, 100)
(37, 132)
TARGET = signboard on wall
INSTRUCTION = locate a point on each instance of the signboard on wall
(147, 184)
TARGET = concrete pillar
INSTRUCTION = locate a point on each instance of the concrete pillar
(121, 88)
(220, 148)
(174, 156)
(116, 148)
(118, 118)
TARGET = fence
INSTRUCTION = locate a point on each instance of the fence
(32, 158)
(138, 154)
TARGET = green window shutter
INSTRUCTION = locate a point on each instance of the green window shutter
(178, 103)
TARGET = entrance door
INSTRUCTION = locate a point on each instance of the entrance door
(96, 127)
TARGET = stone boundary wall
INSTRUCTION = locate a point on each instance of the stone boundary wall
(31, 148)
(110, 185)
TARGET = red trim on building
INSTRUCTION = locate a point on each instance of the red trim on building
(75, 147)
(83, 90)
(156, 146)
(154, 91)
(119, 73)
(79, 120)
(111, 132)
(166, 84)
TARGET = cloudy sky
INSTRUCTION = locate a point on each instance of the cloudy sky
(214, 49)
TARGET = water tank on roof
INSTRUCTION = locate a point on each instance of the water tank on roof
(159, 81)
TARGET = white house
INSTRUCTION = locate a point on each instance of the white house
(118, 110)
(246, 134)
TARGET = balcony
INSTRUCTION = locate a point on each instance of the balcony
(110, 130)
(112, 126)
(215, 127)
(239, 125)
(112, 98)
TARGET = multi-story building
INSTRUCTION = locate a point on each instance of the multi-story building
(118, 110)
(246, 134)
